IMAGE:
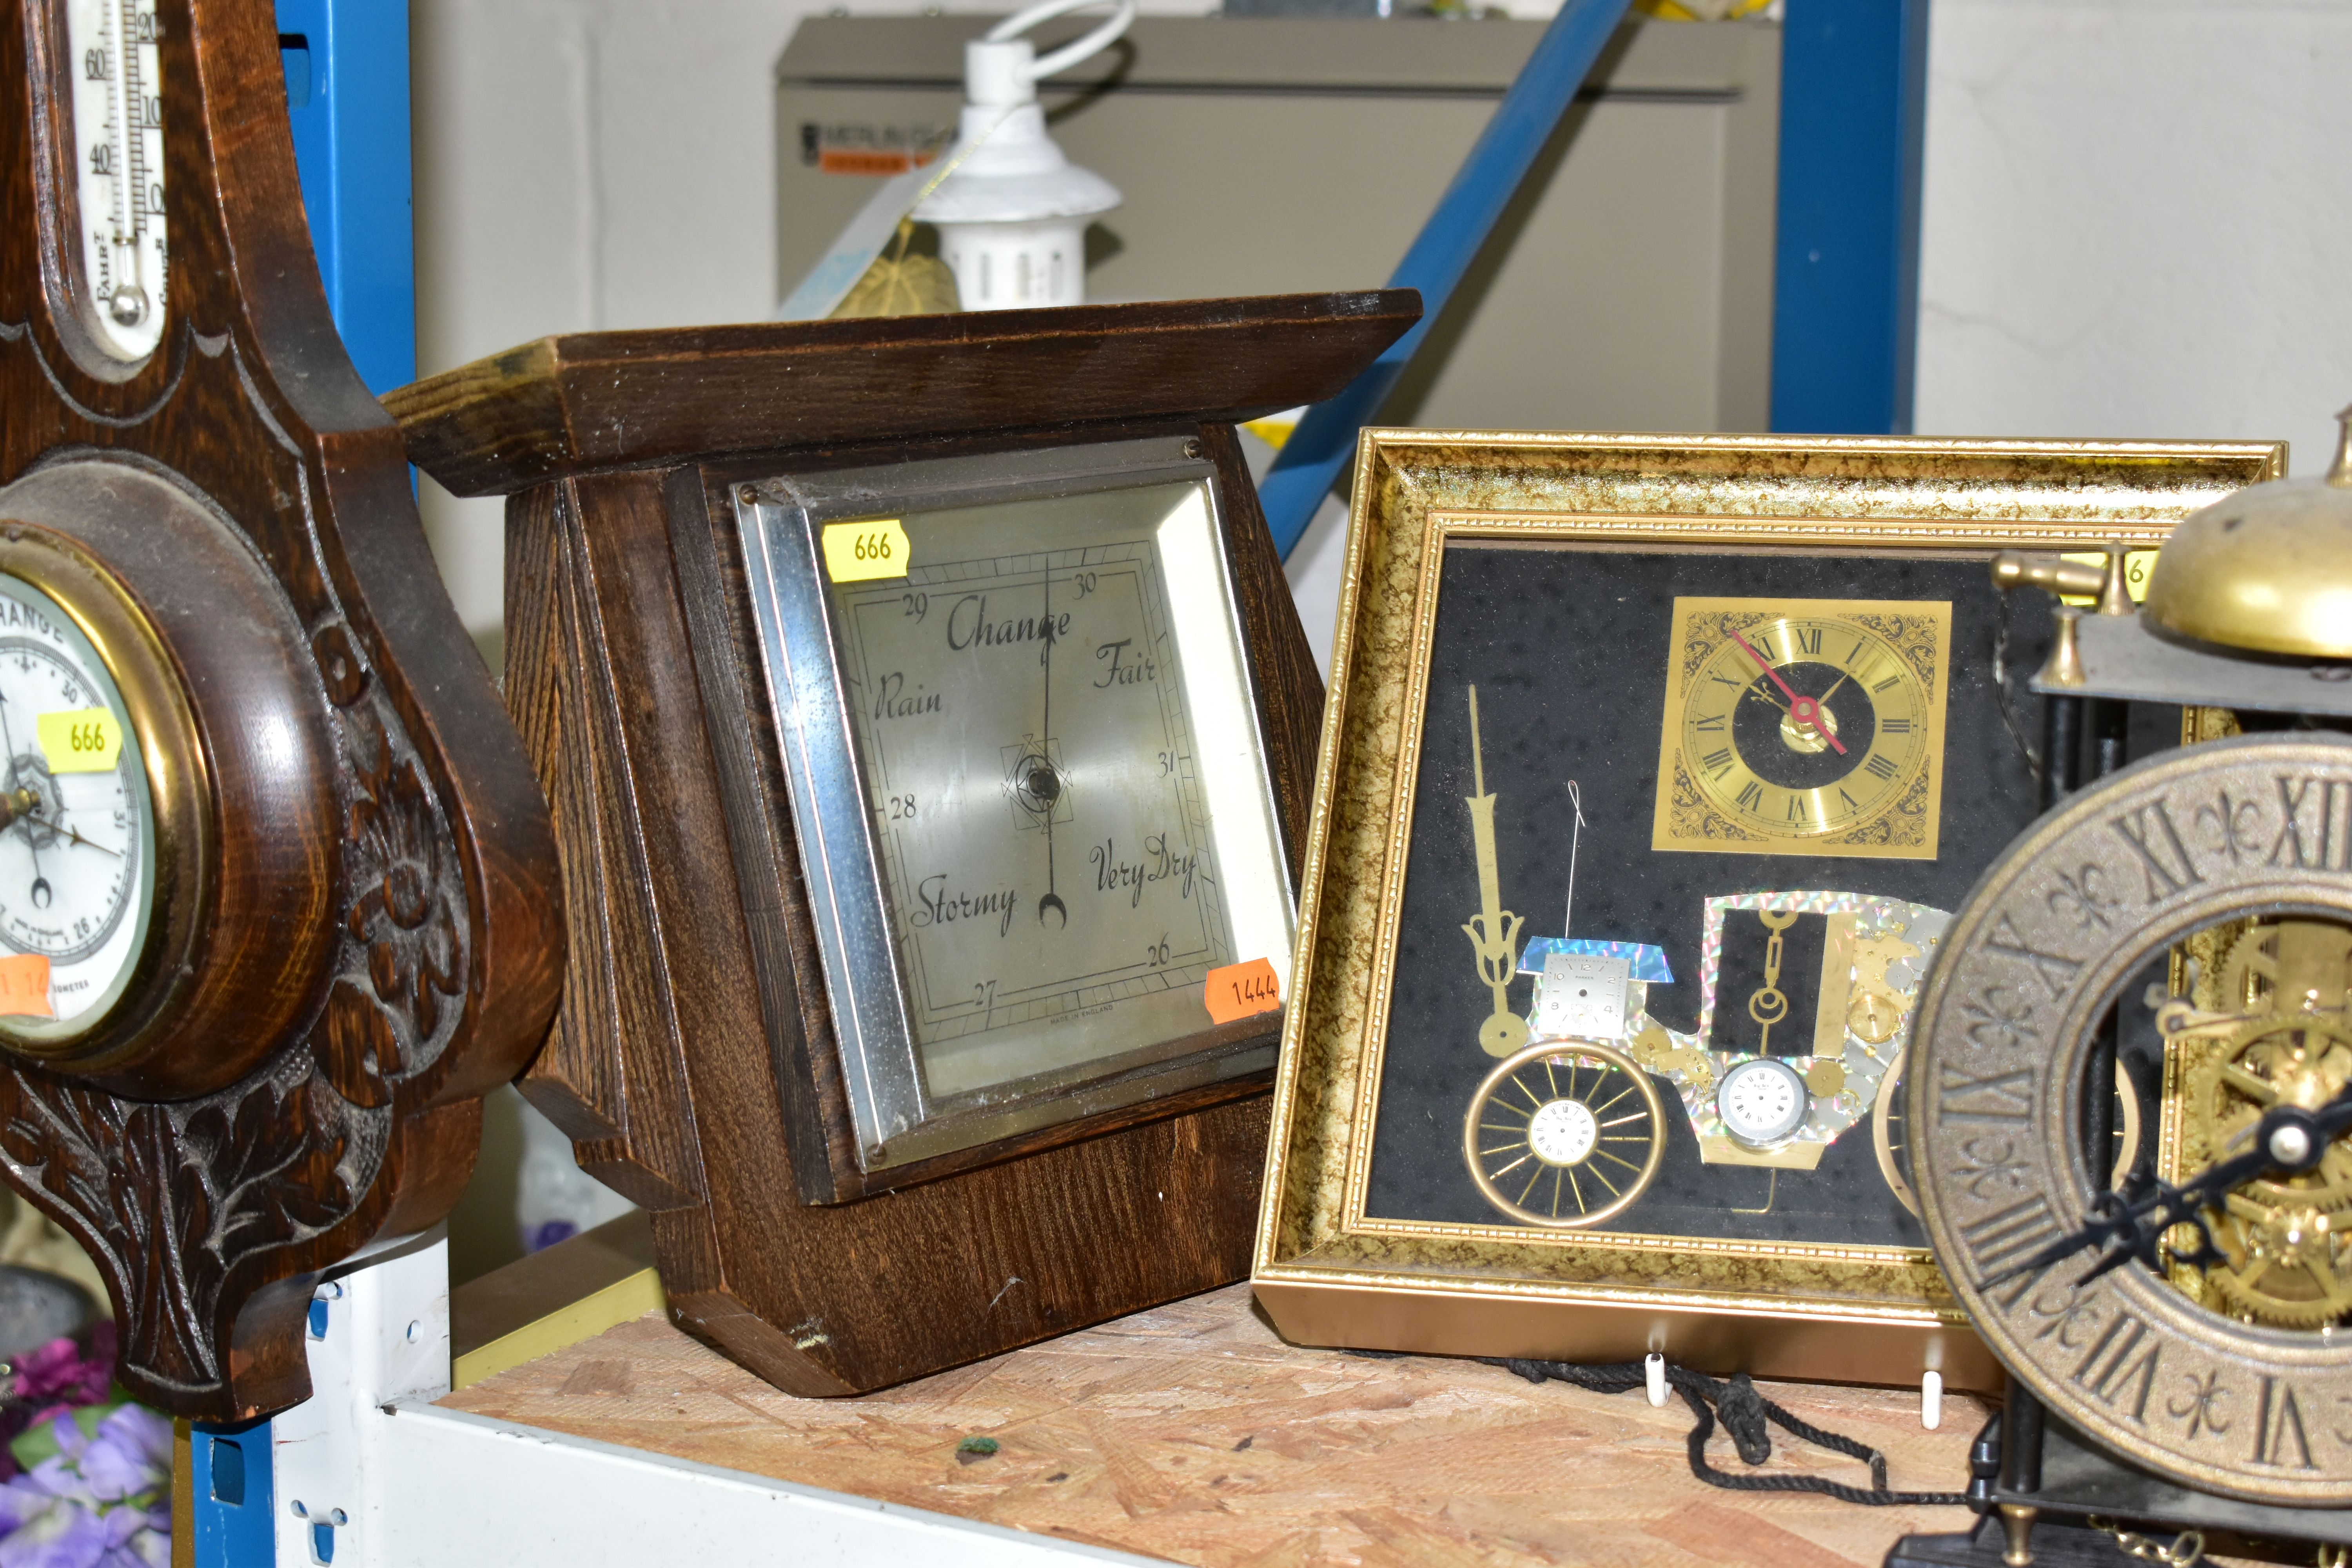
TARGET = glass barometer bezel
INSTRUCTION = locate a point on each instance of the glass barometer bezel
(896, 1119)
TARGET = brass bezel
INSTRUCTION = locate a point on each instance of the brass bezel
(179, 785)
(1330, 1274)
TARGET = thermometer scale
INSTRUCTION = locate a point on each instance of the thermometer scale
(118, 114)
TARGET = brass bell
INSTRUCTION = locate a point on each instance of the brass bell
(2267, 570)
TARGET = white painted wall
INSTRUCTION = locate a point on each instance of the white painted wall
(2137, 210)
(2138, 220)
(586, 165)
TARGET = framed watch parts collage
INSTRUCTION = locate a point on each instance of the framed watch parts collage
(1651, 770)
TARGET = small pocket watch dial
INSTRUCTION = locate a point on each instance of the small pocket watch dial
(1566, 1134)
(77, 834)
(115, 68)
(1761, 1101)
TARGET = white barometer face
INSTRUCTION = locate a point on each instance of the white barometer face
(1035, 816)
(118, 128)
(77, 847)
(1047, 739)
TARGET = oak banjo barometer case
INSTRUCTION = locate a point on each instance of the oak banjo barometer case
(277, 887)
(931, 733)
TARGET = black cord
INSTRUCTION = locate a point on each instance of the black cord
(1744, 1412)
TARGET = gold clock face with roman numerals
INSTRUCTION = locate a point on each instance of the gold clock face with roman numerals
(1804, 727)
(2133, 1309)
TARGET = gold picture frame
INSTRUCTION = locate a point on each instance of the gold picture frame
(1330, 1272)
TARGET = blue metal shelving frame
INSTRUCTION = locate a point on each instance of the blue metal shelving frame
(1845, 293)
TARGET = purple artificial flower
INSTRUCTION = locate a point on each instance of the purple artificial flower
(131, 1453)
(64, 1535)
(21, 1499)
(62, 1375)
(137, 1537)
(59, 1478)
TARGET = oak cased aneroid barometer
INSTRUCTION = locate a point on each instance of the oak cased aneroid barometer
(1022, 740)
(276, 884)
(929, 730)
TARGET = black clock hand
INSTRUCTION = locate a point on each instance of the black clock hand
(1052, 900)
(2288, 1138)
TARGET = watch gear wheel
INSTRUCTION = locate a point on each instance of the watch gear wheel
(1657, 1051)
(2288, 1267)
(2286, 1244)
(2250, 965)
(2282, 1059)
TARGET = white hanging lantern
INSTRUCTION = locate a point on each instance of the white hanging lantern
(1013, 215)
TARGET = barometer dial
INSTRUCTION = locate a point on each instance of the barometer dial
(77, 834)
(116, 70)
(1025, 730)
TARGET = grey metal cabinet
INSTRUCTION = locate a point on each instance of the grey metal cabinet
(1630, 287)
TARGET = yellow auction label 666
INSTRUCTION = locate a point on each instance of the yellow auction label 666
(80, 739)
(854, 551)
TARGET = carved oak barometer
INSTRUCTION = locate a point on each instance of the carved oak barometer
(276, 890)
(929, 734)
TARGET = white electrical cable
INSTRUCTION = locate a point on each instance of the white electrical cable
(1062, 59)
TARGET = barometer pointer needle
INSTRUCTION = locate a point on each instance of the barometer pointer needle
(1052, 900)
(40, 883)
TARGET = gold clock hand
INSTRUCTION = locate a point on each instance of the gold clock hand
(1804, 709)
(1493, 930)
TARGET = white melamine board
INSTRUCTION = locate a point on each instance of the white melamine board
(464, 1488)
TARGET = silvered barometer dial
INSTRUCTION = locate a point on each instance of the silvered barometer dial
(77, 836)
(1047, 746)
(1034, 782)
(116, 71)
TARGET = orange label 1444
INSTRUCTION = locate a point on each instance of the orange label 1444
(25, 986)
(1238, 990)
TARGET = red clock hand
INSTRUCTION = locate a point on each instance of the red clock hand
(1804, 709)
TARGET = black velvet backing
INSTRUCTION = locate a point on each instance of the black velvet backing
(1570, 648)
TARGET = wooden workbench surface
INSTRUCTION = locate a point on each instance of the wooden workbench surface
(1192, 1432)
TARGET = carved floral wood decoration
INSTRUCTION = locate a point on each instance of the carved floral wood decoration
(419, 909)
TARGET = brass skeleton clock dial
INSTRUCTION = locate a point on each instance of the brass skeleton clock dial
(2075, 1285)
(1804, 727)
